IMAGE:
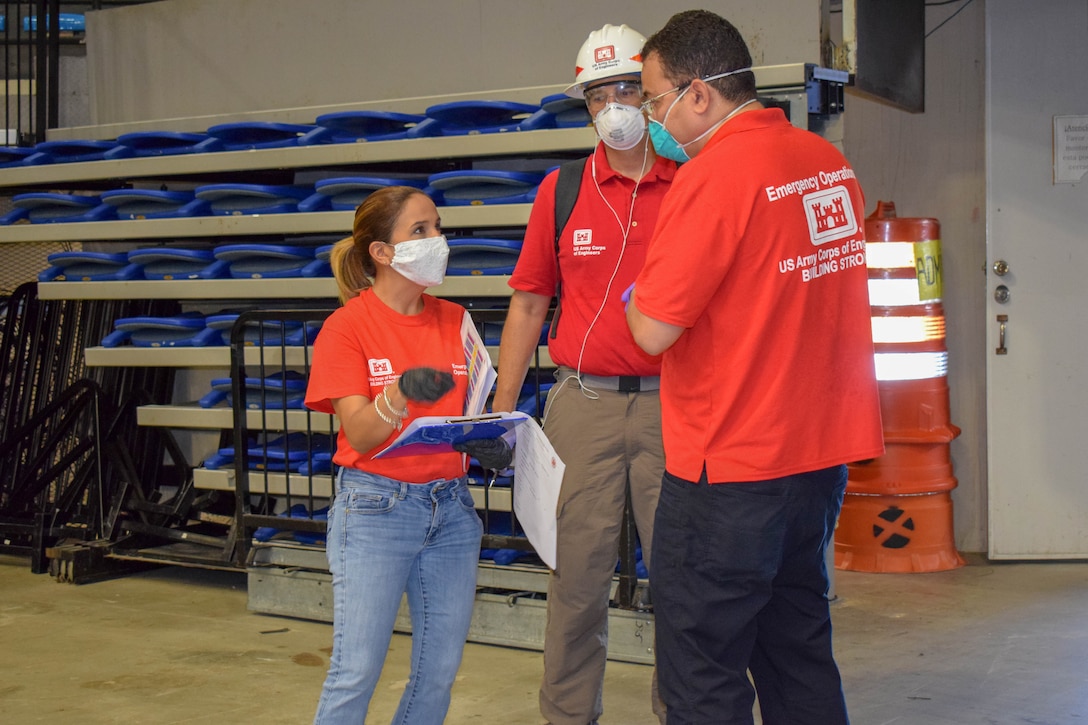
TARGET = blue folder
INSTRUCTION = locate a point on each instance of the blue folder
(438, 434)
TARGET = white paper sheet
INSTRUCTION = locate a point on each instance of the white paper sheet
(538, 475)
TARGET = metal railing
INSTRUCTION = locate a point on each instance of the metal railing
(31, 70)
(283, 471)
(32, 34)
(66, 430)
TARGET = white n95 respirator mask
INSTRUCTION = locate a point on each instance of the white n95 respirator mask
(621, 127)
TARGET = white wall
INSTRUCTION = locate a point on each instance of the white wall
(201, 57)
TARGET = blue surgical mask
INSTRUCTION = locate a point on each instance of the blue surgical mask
(666, 145)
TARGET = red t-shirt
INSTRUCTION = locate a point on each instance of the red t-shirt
(589, 249)
(760, 253)
(364, 346)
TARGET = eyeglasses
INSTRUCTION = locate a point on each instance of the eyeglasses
(625, 92)
(650, 104)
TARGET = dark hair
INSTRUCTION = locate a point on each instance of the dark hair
(699, 43)
(375, 218)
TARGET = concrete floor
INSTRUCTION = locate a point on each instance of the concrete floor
(987, 643)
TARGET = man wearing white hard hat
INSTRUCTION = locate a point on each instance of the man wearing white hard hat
(603, 415)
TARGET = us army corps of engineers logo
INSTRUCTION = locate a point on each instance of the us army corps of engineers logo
(583, 244)
(831, 218)
(830, 215)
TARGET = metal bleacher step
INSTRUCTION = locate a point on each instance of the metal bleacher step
(292, 580)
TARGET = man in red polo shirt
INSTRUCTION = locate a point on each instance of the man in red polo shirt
(603, 415)
(754, 292)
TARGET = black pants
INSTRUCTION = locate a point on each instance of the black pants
(740, 583)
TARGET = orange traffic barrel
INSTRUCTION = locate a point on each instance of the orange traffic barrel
(905, 468)
(897, 513)
(897, 534)
(911, 360)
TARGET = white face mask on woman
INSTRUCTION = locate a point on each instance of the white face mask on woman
(620, 126)
(423, 261)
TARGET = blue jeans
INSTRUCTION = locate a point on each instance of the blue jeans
(387, 538)
(740, 583)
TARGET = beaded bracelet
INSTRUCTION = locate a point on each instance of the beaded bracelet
(397, 416)
(394, 411)
(395, 422)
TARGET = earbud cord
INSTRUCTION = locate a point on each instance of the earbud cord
(625, 230)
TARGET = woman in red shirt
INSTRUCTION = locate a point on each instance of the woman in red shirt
(404, 525)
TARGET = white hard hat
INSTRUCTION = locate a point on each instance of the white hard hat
(614, 50)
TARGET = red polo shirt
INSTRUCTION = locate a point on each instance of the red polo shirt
(589, 250)
(759, 253)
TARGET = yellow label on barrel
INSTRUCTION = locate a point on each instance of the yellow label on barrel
(927, 263)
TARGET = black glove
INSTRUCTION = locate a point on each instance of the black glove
(492, 453)
(425, 385)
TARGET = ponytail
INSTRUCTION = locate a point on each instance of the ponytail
(349, 268)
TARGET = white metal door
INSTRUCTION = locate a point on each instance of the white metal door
(1037, 389)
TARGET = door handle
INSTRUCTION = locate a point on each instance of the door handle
(1002, 320)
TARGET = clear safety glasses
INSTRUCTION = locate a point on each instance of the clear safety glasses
(626, 92)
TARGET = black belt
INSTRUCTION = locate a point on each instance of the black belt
(619, 383)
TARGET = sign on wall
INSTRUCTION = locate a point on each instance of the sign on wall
(1070, 148)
